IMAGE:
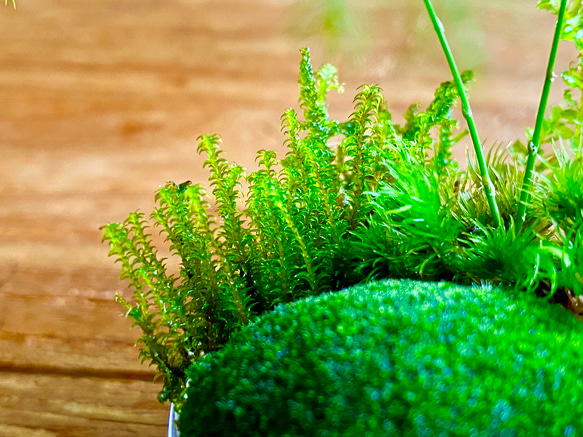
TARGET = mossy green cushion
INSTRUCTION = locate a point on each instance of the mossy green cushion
(395, 358)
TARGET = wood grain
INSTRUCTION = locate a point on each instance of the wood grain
(101, 102)
(62, 405)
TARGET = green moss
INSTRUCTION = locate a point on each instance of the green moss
(399, 358)
(353, 201)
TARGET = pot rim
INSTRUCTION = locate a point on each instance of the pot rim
(172, 428)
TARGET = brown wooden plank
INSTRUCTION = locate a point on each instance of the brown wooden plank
(59, 405)
(60, 318)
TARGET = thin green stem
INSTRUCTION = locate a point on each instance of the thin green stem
(534, 143)
(467, 113)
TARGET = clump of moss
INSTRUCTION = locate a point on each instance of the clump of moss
(284, 238)
(353, 201)
(395, 358)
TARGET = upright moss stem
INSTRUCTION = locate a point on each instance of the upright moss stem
(534, 143)
(467, 113)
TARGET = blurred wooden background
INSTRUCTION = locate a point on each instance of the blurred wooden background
(101, 101)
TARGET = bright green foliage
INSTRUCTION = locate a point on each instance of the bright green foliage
(395, 358)
(467, 113)
(434, 222)
(419, 125)
(430, 226)
(564, 122)
(282, 240)
(534, 142)
(506, 178)
(412, 229)
(568, 274)
(350, 202)
(563, 201)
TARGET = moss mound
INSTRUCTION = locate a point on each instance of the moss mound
(395, 358)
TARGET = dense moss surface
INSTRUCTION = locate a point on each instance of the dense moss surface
(395, 358)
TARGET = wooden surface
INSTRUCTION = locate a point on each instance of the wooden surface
(101, 102)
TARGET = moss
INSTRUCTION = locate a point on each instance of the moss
(399, 358)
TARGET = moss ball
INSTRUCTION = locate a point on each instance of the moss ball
(395, 358)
